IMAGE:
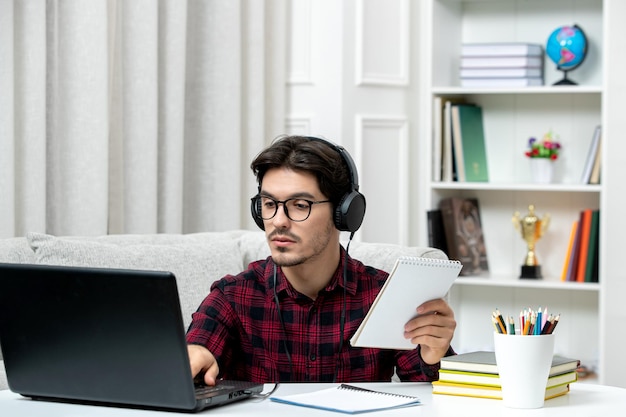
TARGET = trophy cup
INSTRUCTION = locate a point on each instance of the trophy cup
(532, 229)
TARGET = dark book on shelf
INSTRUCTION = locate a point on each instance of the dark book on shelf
(464, 234)
(591, 268)
(436, 232)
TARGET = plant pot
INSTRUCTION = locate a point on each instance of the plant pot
(541, 170)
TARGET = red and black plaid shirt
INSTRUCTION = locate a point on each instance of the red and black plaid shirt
(239, 323)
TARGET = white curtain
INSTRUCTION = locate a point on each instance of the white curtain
(135, 116)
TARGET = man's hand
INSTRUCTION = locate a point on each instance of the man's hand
(203, 364)
(433, 329)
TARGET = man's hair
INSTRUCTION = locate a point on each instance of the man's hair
(301, 153)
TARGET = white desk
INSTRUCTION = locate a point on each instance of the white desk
(584, 400)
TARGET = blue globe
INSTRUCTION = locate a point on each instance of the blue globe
(567, 47)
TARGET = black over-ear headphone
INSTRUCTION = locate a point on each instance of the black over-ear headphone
(349, 212)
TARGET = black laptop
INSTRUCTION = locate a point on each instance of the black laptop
(101, 336)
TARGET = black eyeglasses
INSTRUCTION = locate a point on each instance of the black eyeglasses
(296, 209)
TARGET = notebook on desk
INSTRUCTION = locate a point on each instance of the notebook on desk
(103, 336)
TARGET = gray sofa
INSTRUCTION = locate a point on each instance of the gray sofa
(196, 259)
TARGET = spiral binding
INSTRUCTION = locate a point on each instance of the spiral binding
(416, 260)
(369, 391)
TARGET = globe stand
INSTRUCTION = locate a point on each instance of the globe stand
(565, 80)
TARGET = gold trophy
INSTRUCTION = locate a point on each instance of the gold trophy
(532, 229)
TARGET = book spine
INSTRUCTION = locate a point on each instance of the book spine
(570, 246)
(592, 251)
(436, 232)
(591, 156)
(584, 244)
(571, 274)
(457, 144)
(595, 172)
(502, 62)
(501, 49)
(501, 72)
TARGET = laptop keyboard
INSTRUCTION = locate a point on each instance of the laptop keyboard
(207, 390)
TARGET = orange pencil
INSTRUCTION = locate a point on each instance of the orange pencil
(501, 320)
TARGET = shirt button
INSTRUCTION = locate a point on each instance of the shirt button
(312, 357)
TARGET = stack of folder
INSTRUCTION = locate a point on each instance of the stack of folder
(475, 374)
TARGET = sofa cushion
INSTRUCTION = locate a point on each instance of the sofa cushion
(195, 259)
(15, 250)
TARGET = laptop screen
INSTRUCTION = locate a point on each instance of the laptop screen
(87, 334)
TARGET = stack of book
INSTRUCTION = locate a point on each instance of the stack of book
(501, 64)
(581, 259)
(459, 143)
(475, 374)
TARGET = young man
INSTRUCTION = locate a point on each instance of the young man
(290, 317)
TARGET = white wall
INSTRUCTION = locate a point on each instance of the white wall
(351, 80)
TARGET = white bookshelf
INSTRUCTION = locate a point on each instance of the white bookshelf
(511, 116)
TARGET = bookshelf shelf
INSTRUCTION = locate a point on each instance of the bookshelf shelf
(490, 186)
(544, 90)
(510, 117)
(509, 282)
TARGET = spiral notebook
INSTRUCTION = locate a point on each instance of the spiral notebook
(348, 399)
(412, 281)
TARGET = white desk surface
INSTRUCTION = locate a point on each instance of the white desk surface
(583, 400)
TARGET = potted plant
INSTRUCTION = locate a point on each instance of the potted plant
(542, 154)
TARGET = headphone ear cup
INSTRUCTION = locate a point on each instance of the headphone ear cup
(350, 212)
(255, 209)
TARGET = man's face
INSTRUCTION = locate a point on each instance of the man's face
(294, 243)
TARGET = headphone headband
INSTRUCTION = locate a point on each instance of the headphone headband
(352, 171)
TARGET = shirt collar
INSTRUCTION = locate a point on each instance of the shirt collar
(283, 285)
